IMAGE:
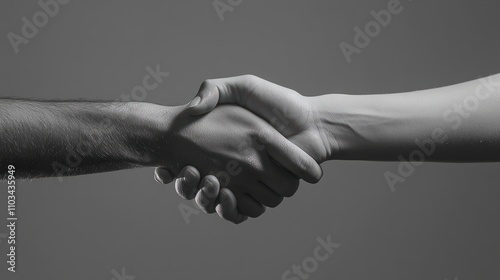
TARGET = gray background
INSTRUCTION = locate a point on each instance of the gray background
(441, 223)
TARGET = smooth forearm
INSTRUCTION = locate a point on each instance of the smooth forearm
(459, 123)
(69, 138)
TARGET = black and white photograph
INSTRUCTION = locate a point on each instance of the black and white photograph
(238, 139)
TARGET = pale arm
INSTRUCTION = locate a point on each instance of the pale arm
(458, 123)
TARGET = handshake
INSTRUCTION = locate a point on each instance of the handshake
(243, 144)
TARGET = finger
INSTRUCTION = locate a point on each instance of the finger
(281, 180)
(248, 206)
(206, 99)
(227, 207)
(240, 90)
(283, 189)
(163, 176)
(234, 90)
(266, 196)
(186, 185)
(290, 156)
(206, 198)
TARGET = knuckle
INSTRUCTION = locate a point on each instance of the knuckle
(237, 221)
(249, 77)
(263, 134)
(207, 82)
(184, 191)
(252, 78)
(295, 185)
(254, 212)
(293, 92)
(210, 210)
(203, 202)
(291, 190)
(275, 202)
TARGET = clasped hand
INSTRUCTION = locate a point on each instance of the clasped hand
(245, 155)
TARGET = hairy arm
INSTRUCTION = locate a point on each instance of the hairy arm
(458, 123)
(69, 138)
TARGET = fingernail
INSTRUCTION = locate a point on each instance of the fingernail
(194, 102)
(209, 187)
(189, 176)
(166, 176)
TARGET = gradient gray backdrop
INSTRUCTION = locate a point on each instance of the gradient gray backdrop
(442, 223)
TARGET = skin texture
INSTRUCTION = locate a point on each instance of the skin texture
(244, 147)
(458, 123)
(71, 138)
(290, 113)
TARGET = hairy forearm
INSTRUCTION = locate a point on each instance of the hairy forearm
(69, 138)
(459, 123)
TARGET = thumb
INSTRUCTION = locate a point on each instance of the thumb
(206, 99)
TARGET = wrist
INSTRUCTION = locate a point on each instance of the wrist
(342, 119)
(150, 140)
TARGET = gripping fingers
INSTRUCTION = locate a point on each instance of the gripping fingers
(227, 207)
(163, 176)
(265, 195)
(247, 205)
(281, 181)
(186, 185)
(291, 157)
(206, 198)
